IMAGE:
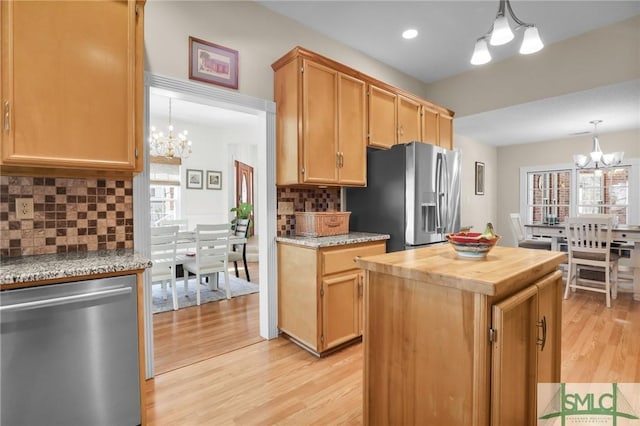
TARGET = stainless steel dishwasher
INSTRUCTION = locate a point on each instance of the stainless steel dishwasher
(69, 354)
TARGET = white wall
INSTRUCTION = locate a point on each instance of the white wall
(258, 34)
(601, 57)
(477, 210)
(512, 158)
(214, 148)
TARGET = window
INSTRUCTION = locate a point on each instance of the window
(548, 196)
(164, 189)
(604, 192)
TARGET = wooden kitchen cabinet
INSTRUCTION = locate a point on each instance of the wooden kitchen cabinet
(320, 123)
(320, 293)
(409, 120)
(383, 117)
(526, 350)
(476, 336)
(437, 127)
(72, 80)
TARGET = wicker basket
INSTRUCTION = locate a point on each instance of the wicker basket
(322, 224)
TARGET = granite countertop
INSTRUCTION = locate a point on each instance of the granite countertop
(55, 266)
(334, 240)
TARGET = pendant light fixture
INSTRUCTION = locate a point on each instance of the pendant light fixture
(596, 156)
(501, 33)
(169, 145)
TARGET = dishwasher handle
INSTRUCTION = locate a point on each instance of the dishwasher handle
(45, 303)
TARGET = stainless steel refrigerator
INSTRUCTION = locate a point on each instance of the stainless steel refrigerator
(412, 194)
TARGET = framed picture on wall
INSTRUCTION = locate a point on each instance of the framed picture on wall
(194, 179)
(479, 178)
(212, 63)
(214, 179)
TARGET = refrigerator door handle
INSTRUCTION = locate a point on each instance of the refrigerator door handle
(438, 192)
(446, 198)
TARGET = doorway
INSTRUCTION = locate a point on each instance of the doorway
(244, 188)
(266, 195)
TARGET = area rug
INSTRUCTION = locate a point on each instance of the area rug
(239, 287)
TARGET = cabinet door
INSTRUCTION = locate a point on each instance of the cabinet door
(429, 125)
(445, 131)
(69, 74)
(320, 123)
(383, 121)
(340, 309)
(513, 359)
(550, 320)
(352, 133)
(409, 119)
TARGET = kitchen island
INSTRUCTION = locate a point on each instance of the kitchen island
(456, 341)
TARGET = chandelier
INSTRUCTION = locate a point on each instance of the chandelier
(596, 156)
(500, 33)
(169, 145)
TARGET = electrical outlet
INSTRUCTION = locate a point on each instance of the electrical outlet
(308, 206)
(24, 208)
(285, 207)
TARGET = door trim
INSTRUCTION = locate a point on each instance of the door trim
(266, 193)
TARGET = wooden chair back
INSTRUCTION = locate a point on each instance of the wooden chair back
(212, 244)
(589, 239)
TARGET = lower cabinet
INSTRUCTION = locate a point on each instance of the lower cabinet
(320, 293)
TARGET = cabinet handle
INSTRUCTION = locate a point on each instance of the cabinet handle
(542, 341)
(337, 160)
(7, 116)
(341, 159)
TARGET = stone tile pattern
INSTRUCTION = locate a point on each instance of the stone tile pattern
(70, 215)
(316, 200)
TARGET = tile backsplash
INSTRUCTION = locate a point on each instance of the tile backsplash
(69, 215)
(304, 199)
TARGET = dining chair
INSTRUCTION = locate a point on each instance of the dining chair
(589, 245)
(519, 234)
(212, 254)
(163, 257)
(183, 224)
(240, 229)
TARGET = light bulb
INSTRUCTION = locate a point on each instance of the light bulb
(481, 53)
(409, 34)
(531, 42)
(501, 33)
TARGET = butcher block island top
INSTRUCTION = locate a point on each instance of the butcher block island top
(455, 341)
(497, 274)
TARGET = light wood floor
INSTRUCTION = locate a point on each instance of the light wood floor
(193, 334)
(275, 382)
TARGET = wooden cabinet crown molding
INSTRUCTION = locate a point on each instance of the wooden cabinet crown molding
(301, 52)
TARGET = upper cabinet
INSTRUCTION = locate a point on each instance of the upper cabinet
(321, 123)
(327, 114)
(409, 120)
(383, 117)
(437, 126)
(72, 80)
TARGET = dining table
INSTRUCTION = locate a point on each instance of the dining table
(629, 233)
(186, 249)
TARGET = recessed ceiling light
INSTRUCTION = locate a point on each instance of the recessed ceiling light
(410, 33)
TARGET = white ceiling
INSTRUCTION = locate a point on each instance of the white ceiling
(447, 33)
(448, 30)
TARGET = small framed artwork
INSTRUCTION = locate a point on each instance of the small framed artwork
(214, 179)
(211, 63)
(479, 178)
(194, 179)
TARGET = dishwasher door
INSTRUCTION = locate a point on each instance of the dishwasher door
(69, 354)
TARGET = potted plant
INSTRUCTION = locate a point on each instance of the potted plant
(243, 211)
